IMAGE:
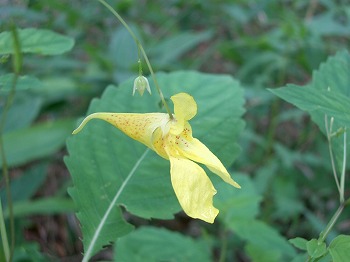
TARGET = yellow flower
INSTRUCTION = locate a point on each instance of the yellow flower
(172, 139)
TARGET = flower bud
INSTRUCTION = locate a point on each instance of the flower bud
(140, 84)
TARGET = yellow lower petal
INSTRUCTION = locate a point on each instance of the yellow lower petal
(197, 151)
(193, 189)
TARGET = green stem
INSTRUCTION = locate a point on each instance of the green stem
(17, 64)
(140, 48)
(4, 239)
(223, 251)
(331, 223)
(342, 176)
(329, 138)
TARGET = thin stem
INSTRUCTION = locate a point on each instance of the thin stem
(17, 65)
(329, 138)
(4, 239)
(331, 223)
(90, 248)
(140, 48)
(223, 251)
(342, 177)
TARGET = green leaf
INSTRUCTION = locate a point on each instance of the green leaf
(262, 235)
(101, 157)
(35, 142)
(316, 249)
(299, 242)
(27, 184)
(24, 110)
(23, 82)
(328, 95)
(48, 206)
(259, 254)
(38, 41)
(237, 203)
(165, 53)
(157, 244)
(340, 248)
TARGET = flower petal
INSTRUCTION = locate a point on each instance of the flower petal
(137, 126)
(195, 150)
(185, 108)
(193, 189)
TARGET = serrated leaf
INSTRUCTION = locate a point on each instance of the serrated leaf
(328, 95)
(38, 41)
(101, 157)
(316, 249)
(157, 244)
(340, 248)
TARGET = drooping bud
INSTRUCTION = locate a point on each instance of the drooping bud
(140, 84)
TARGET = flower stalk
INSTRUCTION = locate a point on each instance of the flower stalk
(142, 51)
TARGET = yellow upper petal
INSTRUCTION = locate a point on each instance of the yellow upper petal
(185, 108)
(193, 189)
(137, 126)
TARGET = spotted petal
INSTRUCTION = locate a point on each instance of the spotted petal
(137, 126)
(193, 189)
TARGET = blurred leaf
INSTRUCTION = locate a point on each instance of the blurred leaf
(258, 254)
(237, 204)
(262, 235)
(28, 252)
(48, 206)
(166, 52)
(123, 53)
(23, 82)
(24, 110)
(340, 248)
(299, 243)
(157, 244)
(316, 249)
(39, 41)
(100, 157)
(35, 142)
(58, 88)
(326, 24)
(25, 186)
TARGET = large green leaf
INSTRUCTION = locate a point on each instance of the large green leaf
(156, 244)
(328, 95)
(101, 157)
(38, 41)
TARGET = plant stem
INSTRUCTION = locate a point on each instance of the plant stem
(140, 48)
(4, 239)
(342, 176)
(331, 223)
(329, 138)
(17, 65)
